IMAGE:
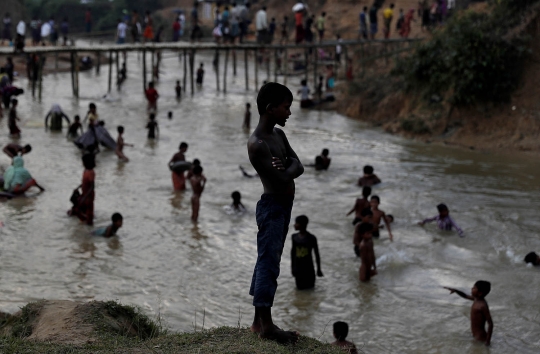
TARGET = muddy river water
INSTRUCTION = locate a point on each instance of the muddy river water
(163, 262)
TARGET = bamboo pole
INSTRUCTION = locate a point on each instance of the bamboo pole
(110, 69)
(98, 62)
(185, 70)
(144, 69)
(225, 70)
(117, 70)
(234, 61)
(217, 69)
(76, 59)
(256, 71)
(152, 63)
(34, 79)
(191, 63)
(246, 69)
(72, 72)
(40, 75)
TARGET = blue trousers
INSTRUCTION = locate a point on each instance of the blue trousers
(273, 217)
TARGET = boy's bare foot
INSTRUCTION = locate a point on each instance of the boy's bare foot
(257, 328)
(280, 336)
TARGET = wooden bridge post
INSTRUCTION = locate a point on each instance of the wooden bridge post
(315, 68)
(110, 69)
(275, 64)
(362, 54)
(144, 69)
(217, 69)
(234, 61)
(306, 58)
(256, 71)
(286, 66)
(268, 74)
(117, 69)
(40, 75)
(246, 68)
(185, 70)
(191, 63)
(76, 59)
(72, 72)
(98, 62)
(152, 63)
(225, 70)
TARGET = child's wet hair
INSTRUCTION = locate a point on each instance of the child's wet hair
(302, 220)
(92, 106)
(531, 257)
(325, 152)
(368, 170)
(366, 192)
(152, 116)
(365, 212)
(196, 162)
(236, 196)
(248, 105)
(151, 84)
(197, 170)
(116, 217)
(27, 148)
(391, 217)
(77, 118)
(442, 207)
(120, 129)
(376, 197)
(89, 161)
(483, 286)
(341, 330)
(272, 94)
(303, 82)
(183, 145)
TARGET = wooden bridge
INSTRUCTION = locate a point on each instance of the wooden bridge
(306, 54)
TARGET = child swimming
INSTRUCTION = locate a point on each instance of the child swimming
(109, 231)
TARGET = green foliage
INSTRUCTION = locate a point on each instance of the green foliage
(22, 328)
(470, 59)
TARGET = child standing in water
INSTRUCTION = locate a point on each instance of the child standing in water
(237, 203)
(444, 221)
(198, 182)
(152, 127)
(200, 75)
(479, 310)
(178, 90)
(367, 254)
(366, 217)
(14, 130)
(73, 131)
(151, 96)
(360, 204)
(178, 178)
(303, 243)
(369, 179)
(247, 117)
(120, 145)
(109, 231)
(85, 205)
(341, 331)
(379, 215)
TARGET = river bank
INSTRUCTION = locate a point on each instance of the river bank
(75, 327)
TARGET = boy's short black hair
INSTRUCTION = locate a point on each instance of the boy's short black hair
(303, 82)
(248, 105)
(27, 148)
(365, 212)
(89, 161)
(366, 192)
(325, 152)
(196, 162)
(183, 145)
(197, 170)
(236, 196)
(442, 207)
(302, 220)
(169, 114)
(365, 227)
(483, 286)
(152, 116)
(341, 330)
(390, 216)
(376, 197)
(272, 94)
(531, 257)
(151, 84)
(116, 217)
(368, 170)
(77, 117)
(14, 101)
(92, 105)
(120, 129)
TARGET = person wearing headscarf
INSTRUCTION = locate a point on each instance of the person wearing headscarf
(17, 179)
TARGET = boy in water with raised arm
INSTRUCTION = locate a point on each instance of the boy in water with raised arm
(379, 215)
(479, 310)
(360, 204)
(277, 165)
(198, 182)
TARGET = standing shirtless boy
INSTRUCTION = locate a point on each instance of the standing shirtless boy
(120, 144)
(479, 310)
(377, 216)
(360, 204)
(368, 268)
(277, 165)
(198, 182)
